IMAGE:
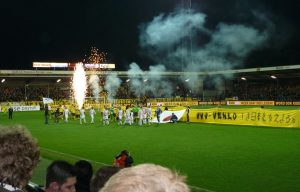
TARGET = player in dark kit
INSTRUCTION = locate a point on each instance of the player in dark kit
(46, 113)
(10, 112)
(158, 113)
(188, 114)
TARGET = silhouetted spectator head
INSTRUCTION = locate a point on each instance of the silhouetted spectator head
(19, 155)
(102, 176)
(84, 173)
(60, 177)
(146, 178)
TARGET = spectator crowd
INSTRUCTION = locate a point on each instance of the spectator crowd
(262, 90)
(265, 92)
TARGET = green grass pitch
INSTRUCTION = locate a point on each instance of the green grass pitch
(227, 158)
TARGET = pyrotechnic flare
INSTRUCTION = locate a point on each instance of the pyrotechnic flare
(95, 82)
(94, 85)
(79, 85)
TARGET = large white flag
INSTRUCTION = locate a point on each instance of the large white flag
(165, 117)
(47, 100)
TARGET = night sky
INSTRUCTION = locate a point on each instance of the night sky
(65, 31)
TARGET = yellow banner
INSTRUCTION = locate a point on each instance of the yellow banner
(250, 102)
(289, 103)
(179, 103)
(211, 103)
(250, 116)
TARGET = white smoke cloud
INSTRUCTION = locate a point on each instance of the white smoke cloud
(228, 46)
(94, 85)
(172, 40)
(112, 84)
(151, 83)
(157, 84)
(136, 81)
(166, 30)
(236, 40)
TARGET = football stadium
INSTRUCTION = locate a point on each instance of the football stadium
(235, 133)
(150, 96)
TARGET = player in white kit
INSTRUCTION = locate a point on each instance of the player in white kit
(120, 116)
(92, 114)
(141, 116)
(127, 116)
(149, 115)
(82, 115)
(105, 117)
(66, 114)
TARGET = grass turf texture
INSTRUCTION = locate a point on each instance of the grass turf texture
(214, 157)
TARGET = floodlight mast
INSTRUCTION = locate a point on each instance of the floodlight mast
(187, 43)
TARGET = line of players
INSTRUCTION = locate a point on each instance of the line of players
(130, 116)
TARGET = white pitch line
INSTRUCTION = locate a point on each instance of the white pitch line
(74, 156)
(82, 158)
(200, 189)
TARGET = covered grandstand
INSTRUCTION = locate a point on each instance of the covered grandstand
(279, 83)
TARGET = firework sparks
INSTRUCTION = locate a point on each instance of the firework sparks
(96, 56)
(96, 82)
(79, 85)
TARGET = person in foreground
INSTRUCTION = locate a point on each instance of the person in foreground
(84, 173)
(101, 176)
(19, 155)
(60, 177)
(146, 178)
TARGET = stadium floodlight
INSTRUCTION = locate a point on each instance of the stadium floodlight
(243, 78)
(187, 80)
(127, 80)
(3, 80)
(273, 77)
(58, 80)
